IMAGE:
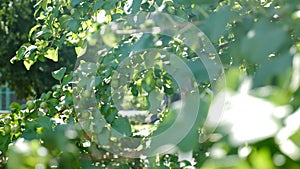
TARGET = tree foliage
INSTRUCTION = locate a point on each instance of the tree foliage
(257, 41)
(17, 19)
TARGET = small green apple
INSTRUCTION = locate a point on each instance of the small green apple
(30, 105)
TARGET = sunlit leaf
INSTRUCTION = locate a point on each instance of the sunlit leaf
(296, 138)
(80, 50)
(28, 63)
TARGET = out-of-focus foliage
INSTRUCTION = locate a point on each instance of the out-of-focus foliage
(16, 20)
(258, 42)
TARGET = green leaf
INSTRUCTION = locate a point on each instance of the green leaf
(265, 38)
(64, 20)
(262, 159)
(122, 126)
(45, 122)
(52, 54)
(136, 4)
(44, 33)
(75, 2)
(33, 29)
(54, 102)
(124, 166)
(147, 87)
(143, 42)
(111, 114)
(215, 24)
(148, 83)
(296, 137)
(168, 90)
(103, 137)
(98, 4)
(134, 90)
(109, 4)
(272, 68)
(59, 74)
(4, 141)
(21, 52)
(145, 5)
(29, 51)
(73, 25)
(233, 78)
(44, 4)
(159, 2)
(280, 96)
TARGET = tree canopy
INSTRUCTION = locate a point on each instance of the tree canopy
(17, 19)
(103, 57)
